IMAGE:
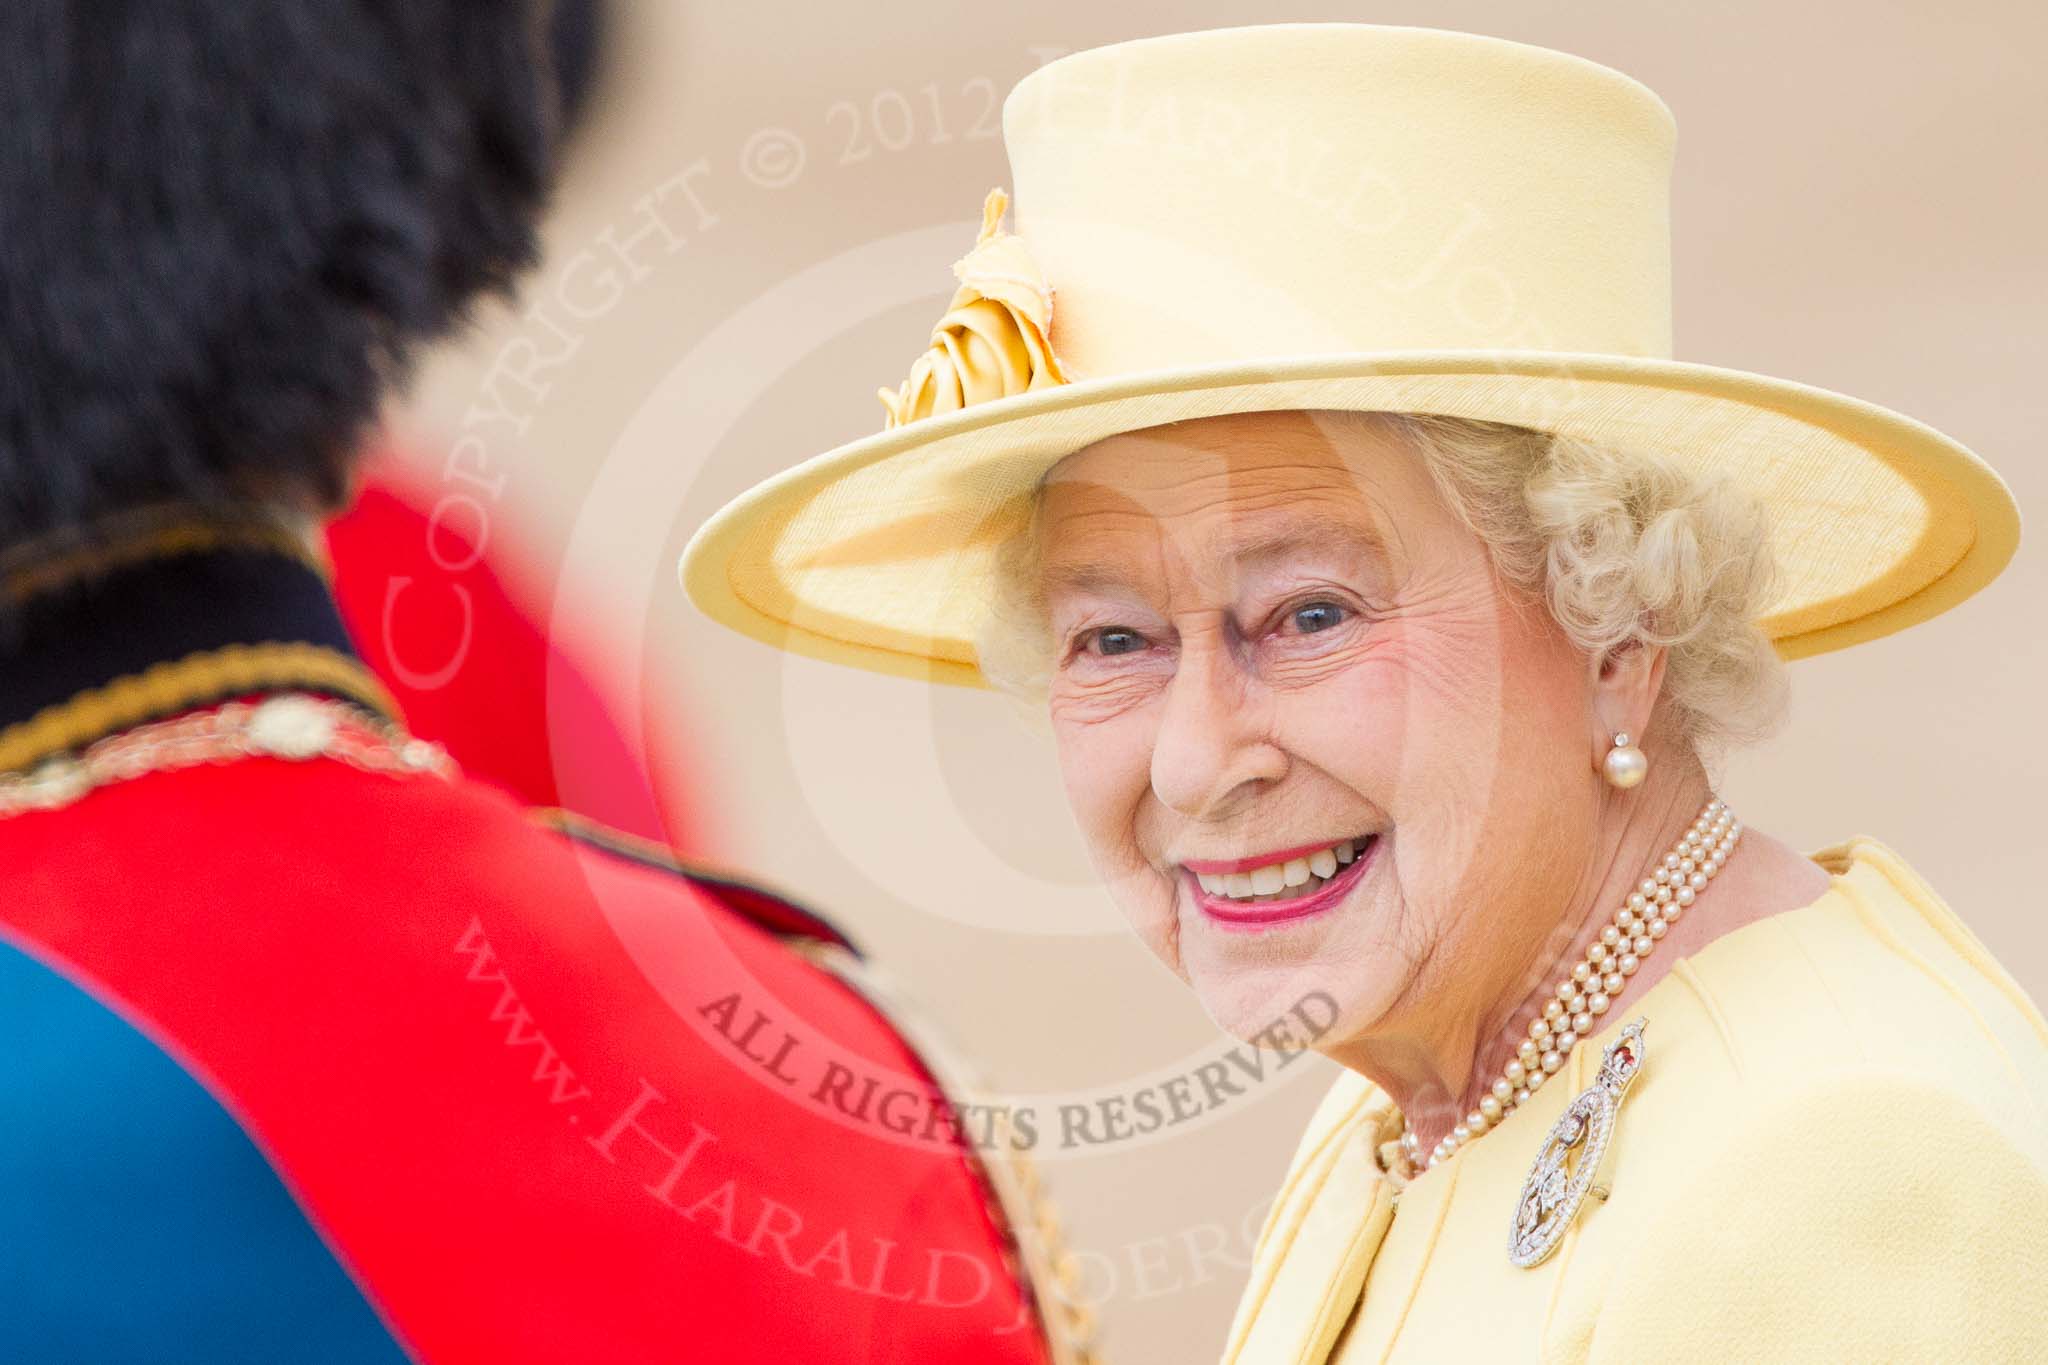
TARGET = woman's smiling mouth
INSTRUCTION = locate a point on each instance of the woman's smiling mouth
(1274, 888)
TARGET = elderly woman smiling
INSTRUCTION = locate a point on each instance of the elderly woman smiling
(1389, 654)
(1333, 714)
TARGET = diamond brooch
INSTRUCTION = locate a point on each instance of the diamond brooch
(1569, 1161)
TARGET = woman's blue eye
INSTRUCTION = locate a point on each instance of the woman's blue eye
(1116, 640)
(1317, 616)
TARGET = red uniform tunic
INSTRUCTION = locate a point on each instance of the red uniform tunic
(538, 1097)
(449, 611)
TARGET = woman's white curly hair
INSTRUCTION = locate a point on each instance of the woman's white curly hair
(1622, 546)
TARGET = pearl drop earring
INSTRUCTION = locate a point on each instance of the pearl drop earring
(1624, 765)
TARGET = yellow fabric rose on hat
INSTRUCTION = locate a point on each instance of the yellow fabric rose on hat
(994, 338)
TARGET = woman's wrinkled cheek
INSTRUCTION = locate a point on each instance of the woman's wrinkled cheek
(1439, 679)
(1147, 897)
(1456, 753)
(1102, 734)
(1077, 703)
(1448, 652)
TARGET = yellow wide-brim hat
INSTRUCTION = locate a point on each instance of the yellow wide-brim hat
(1346, 216)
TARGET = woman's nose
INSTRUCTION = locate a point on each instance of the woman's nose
(1213, 748)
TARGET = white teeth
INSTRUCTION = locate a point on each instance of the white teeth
(1278, 880)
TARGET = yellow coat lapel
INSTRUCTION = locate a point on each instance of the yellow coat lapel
(1321, 1235)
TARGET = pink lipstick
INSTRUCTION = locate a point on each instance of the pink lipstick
(1245, 916)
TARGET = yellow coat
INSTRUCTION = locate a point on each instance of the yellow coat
(1836, 1150)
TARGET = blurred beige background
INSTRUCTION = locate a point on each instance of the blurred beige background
(755, 235)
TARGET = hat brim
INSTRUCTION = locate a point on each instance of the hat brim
(877, 554)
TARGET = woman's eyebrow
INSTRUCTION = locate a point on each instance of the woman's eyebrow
(1250, 546)
(1085, 575)
(1311, 531)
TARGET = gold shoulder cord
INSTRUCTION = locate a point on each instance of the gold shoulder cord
(1049, 1269)
(158, 531)
(175, 685)
(293, 726)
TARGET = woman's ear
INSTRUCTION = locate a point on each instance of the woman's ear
(1625, 682)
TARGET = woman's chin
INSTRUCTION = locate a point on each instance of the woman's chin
(1285, 1005)
(1287, 1016)
(1320, 966)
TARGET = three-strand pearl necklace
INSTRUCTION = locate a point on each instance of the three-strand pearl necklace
(1583, 996)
